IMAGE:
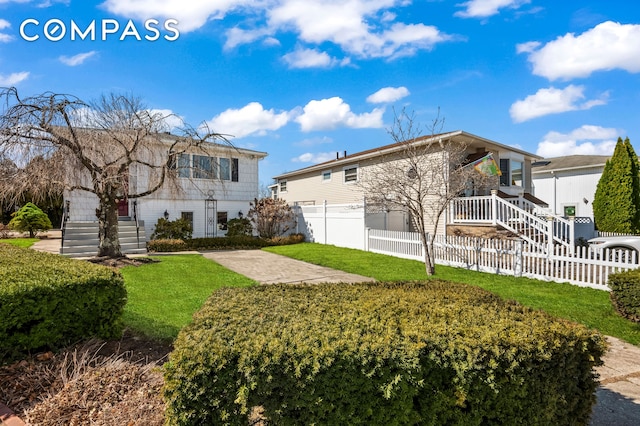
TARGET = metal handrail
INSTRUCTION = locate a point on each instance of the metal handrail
(135, 218)
(63, 225)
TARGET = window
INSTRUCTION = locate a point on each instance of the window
(351, 174)
(283, 186)
(222, 221)
(504, 169)
(184, 165)
(234, 170)
(188, 216)
(225, 169)
(516, 173)
(326, 176)
(203, 167)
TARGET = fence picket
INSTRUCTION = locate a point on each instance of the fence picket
(583, 266)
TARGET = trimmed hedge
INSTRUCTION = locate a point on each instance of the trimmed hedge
(47, 301)
(426, 353)
(222, 243)
(625, 293)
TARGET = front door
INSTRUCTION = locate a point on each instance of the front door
(123, 208)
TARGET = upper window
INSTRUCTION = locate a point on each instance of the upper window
(225, 169)
(516, 173)
(326, 176)
(505, 172)
(283, 186)
(351, 174)
(203, 167)
(184, 165)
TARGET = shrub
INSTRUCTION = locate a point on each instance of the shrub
(166, 245)
(4, 231)
(227, 243)
(239, 227)
(288, 240)
(379, 354)
(270, 217)
(625, 293)
(30, 219)
(47, 301)
(179, 229)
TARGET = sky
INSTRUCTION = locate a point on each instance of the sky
(304, 79)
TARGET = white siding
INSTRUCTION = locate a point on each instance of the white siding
(569, 187)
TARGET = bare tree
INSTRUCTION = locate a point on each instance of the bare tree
(90, 147)
(420, 178)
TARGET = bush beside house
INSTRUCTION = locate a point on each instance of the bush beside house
(625, 293)
(48, 301)
(390, 353)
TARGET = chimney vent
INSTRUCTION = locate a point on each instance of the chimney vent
(345, 153)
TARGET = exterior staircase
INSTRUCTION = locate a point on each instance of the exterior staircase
(519, 216)
(80, 239)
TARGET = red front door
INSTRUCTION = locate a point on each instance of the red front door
(123, 208)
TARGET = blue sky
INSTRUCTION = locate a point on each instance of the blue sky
(303, 79)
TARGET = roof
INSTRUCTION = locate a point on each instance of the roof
(458, 136)
(569, 162)
(170, 138)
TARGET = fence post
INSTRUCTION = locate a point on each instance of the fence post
(518, 261)
(367, 230)
(494, 207)
(549, 235)
(324, 219)
(572, 234)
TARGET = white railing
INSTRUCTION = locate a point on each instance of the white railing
(584, 266)
(516, 216)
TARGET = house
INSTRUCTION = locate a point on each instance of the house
(568, 183)
(336, 181)
(215, 183)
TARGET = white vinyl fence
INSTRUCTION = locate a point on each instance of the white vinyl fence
(584, 266)
(342, 225)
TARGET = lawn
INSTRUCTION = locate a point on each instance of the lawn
(162, 297)
(20, 242)
(584, 305)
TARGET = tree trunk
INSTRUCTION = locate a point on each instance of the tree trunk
(429, 266)
(109, 245)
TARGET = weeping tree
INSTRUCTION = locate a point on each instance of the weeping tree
(94, 147)
(616, 204)
(421, 177)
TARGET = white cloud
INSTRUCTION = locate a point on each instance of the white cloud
(486, 8)
(171, 120)
(314, 158)
(553, 101)
(388, 94)
(328, 114)
(78, 59)
(585, 140)
(607, 46)
(362, 28)
(4, 24)
(13, 78)
(252, 119)
(310, 58)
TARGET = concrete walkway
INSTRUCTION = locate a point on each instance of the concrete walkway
(269, 268)
(618, 396)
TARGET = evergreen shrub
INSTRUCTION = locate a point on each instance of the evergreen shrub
(625, 293)
(427, 353)
(47, 301)
(239, 226)
(179, 229)
(239, 242)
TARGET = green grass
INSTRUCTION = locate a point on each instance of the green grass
(162, 297)
(20, 242)
(584, 305)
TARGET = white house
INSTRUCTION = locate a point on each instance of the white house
(215, 184)
(568, 184)
(335, 181)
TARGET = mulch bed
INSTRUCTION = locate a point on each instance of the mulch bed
(99, 383)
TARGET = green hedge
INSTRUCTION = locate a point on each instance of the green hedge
(222, 243)
(379, 354)
(47, 301)
(625, 293)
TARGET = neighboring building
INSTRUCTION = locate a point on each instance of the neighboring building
(568, 184)
(216, 183)
(335, 181)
